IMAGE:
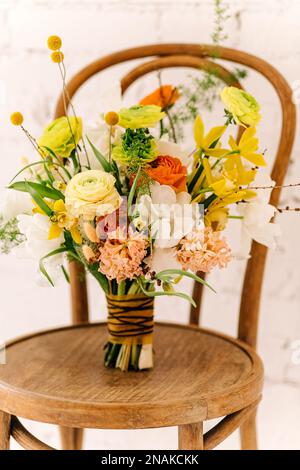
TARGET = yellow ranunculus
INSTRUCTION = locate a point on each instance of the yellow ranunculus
(59, 138)
(243, 106)
(140, 116)
(92, 193)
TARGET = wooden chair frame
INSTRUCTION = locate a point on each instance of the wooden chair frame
(198, 57)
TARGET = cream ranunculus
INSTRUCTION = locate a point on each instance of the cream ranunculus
(243, 106)
(92, 193)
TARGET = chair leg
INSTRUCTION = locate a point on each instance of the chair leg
(248, 433)
(5, 421)
(71, 438)
(190, 436)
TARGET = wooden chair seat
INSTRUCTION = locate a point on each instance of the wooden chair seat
(58, 377)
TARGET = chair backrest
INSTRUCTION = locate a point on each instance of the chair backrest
(199, 57)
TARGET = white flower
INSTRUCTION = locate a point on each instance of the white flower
(256, 215)
(15, 203)
(36, 246)
(99, 135)
(110, 97)
(172, 149)
(170, 216)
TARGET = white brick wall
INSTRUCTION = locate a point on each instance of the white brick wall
(90, 28)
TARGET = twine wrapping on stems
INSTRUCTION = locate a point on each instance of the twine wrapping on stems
(130, 326)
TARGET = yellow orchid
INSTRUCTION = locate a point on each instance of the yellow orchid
(217, 213)
(216, 218)
(237, 172)
(247, 147)
(204, 142)
(232, 176)
(60, 220)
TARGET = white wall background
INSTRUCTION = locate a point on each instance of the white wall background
(30, 82)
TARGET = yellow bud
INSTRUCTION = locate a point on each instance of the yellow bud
(111, 118)
(17, 119)
(59, 185)
(57, 57)
(54, 43)
(167, 287)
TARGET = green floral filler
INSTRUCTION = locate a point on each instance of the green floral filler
(10, 236)
(137, 147)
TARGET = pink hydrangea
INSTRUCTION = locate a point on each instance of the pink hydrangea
(122, 254)
(203, 250)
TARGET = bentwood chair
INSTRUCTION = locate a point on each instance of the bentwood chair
(57, 376)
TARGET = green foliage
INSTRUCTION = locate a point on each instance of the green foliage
(41, 189)
(10, 236)
(202, 90)
(101, 159)
(221, 16)
(137, 147)
(42, 265)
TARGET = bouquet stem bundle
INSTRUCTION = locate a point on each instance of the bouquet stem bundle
(130, 326)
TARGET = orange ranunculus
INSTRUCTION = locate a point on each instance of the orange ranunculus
(164, 96)
(168, 170)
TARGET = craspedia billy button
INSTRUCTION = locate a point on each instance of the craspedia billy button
(17, 118)
(111, 118)
(54, 43)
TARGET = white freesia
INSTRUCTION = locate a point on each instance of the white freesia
(170, 216)
(110, 97)
(256, 215)
(37, 245)
(99, 135)
(165, 147)
(15, 203)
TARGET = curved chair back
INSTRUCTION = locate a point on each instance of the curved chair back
(199, 57)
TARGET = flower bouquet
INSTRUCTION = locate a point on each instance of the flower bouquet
(138, 211)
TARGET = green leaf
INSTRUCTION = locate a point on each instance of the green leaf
(40, 162)
(179, 272)
(94, 270)
(40, 189)
(66, 275)
(132, 191)
(209, 200)
(41, 264)
(101, 159)
(174, 294)
(195, 178)
(116, 173)
(49, 174)
(38, 199)
(53, 154)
